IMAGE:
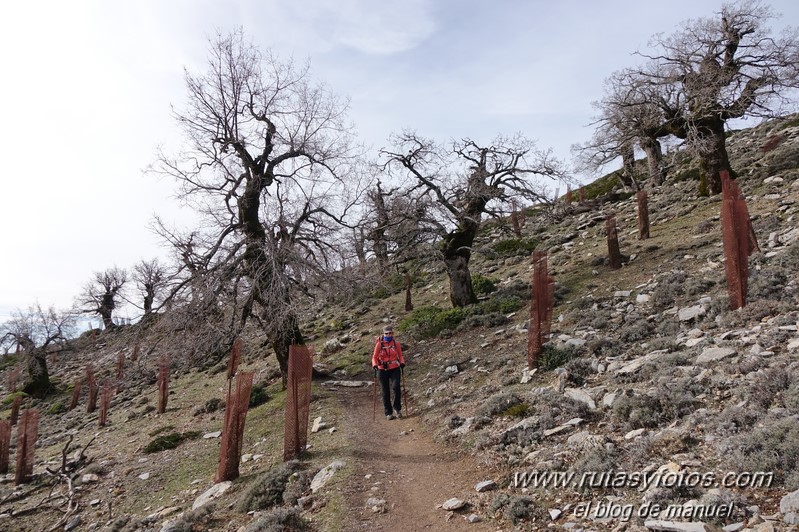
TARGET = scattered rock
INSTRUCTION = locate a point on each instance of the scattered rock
(712, 354)
(789, 507)
(527, 375)
(634, 434)
(473, 518)
(465, 427)
(580, 395)
(89, 478)
(451, 369)
(325, 474)
(318, 425)
(609, 398)
(212, 493)
(485, 485)
(144, 476)
(557, 430)
(585, 440)
(348, 384)
(376, 505)
(453, 504)
(554, 514)
(690, 313)
(163, 512)
(212, 435)
(72, 524)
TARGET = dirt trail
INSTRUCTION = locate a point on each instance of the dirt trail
(410, 471)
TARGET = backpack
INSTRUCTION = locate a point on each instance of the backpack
(388, 353)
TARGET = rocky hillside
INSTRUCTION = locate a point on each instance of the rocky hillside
(655, 406)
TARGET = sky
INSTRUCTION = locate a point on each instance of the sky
(87, 90)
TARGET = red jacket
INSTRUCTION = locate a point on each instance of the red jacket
(390, 352)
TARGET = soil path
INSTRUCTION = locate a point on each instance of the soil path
(406, 468)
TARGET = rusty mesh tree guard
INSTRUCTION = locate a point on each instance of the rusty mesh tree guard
(13, 379)
(163, 383)
(135, 355)
(569, 196)
(105, 401)
(514, 221)
(120, 366)
(15, 405)
(5, 446)
(27, 432)
(238, 404)
(298, 400)
(91, 390)
(235, 358)
(408, 302)
(543, 298)
(643, 214)
(73, 402)
(581, 194)
(614, 255)
(739, 239)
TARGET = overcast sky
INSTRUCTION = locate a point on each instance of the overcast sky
(87, 87)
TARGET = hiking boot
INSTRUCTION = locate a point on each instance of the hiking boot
(390, 416)
(399, 415)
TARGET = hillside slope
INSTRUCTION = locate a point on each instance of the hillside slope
(648, 373)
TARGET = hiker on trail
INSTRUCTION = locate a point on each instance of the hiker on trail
(388, 362)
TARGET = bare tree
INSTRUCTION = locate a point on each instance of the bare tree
(102, 294)
(632, 114)
(266, 156)
(35, 331)
(377, 234)
(151, 279)
(465, 183)
(718, 69)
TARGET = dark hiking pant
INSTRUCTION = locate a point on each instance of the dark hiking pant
(391, 376)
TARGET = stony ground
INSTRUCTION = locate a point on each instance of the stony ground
(648, 375)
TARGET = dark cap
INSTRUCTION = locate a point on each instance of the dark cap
(388, 329)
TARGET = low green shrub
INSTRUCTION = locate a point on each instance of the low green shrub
(258, 395)
(774, 447)
(497, 404)
(278, 520)
(427, 322)
(170, 441)
(56, 408)
(512, 247)
(502, 304)
(483, 285)
(8, 399)
(519, 410)
(552, 357)
(267, 491)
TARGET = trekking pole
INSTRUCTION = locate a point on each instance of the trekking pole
(374, 397)
(404, 391)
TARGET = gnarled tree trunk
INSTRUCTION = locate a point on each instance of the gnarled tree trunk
(713, 149)
(654, 161)
(457, 249)
(38, 384)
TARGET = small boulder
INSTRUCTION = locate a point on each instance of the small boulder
(713, 354)
(325, 474)
(212, 493)
(453, 504)
(485, 486)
